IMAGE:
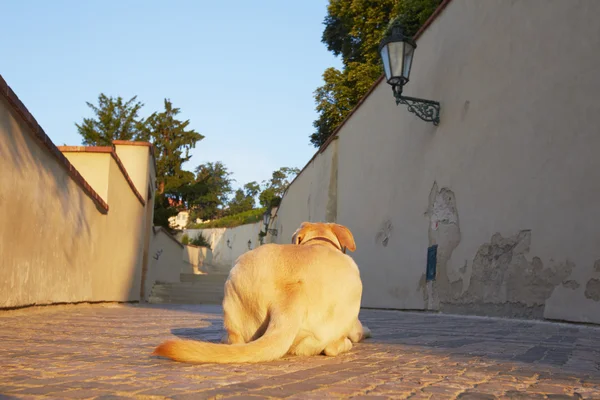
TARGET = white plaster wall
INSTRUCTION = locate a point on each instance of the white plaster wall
(224, 256)
(195, 258)
(517, 146)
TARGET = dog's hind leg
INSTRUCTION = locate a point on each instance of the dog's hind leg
(359, 332)
(338, 347)
(307, 345)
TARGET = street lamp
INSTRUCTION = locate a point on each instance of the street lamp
(266, 220)
(397, 53)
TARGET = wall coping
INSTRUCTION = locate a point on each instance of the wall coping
(106, 150)
(45, 141)
(197, 247)
(335, 133)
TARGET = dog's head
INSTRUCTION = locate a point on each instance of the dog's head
(337, 235)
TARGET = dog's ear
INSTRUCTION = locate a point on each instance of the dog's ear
(297, 236)
(344, 236)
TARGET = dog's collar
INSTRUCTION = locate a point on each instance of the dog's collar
(343, 250)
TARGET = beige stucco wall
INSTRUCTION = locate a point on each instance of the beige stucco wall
(56, 244)
(137, 161)
(506, 185)
(94, 167)
(223, 256)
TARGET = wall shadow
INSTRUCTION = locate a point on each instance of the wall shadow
(480, 341)
(43, 179)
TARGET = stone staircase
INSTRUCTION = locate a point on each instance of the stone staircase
(193, 289)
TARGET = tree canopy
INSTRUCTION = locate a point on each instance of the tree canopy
(215, 182)
(172, 142)
(353, 30)
(244, 199)
(274, 188)
(115, 119)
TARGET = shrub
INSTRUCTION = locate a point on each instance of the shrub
(231, 221)
(185, 239)
(200, 241)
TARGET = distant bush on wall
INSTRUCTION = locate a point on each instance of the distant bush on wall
(247, 217)
(185, 239)
(200, 241)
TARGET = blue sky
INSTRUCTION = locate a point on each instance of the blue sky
(242, 71)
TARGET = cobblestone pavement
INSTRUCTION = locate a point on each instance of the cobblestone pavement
(103, 352)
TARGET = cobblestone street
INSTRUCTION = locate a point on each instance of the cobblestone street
(103, 352)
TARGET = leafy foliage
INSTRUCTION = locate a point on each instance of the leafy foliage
(243, 200)
(209, 192)
(185, 239)
(276, 186)
(163, 210)
(231, 221)
(115, 119)
(200, 240)
(172, 142)
(353, 30)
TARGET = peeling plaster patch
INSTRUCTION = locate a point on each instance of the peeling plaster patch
(571, 284)
(592, 289)
(503, 278)
(442, 207)
(385, 232)
(444, 230)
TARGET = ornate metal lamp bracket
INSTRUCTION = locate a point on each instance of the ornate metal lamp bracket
(427, 110)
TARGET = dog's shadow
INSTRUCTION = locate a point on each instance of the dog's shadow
(210, 333)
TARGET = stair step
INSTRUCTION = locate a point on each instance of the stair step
(193, 289)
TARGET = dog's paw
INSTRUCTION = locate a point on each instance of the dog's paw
(359, 332)
(366, 332)
(338, 347)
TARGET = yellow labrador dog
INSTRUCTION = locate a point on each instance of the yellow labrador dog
(301, 298)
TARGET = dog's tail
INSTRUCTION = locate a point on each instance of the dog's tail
(275, 343)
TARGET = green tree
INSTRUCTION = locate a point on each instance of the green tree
(252, 189)
(213, 181)
(163, 210)
(274, 188)
(353, 30)
(172, 140)
(115, 119)
(244, 199)
(240, 203)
